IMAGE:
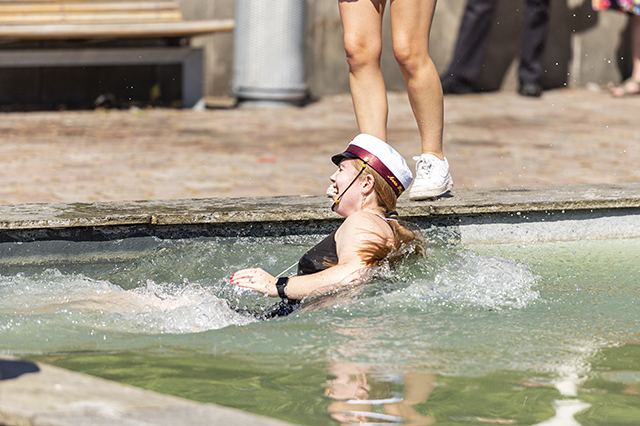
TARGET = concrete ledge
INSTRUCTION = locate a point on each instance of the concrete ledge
(57, 397)
(219, 211)
(464, 216)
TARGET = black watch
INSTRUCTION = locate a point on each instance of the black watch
(280, 285)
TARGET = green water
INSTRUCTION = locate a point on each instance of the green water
(509, 334)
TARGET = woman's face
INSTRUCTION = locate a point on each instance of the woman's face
(342, 178)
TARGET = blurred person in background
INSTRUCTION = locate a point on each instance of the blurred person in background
(464, 70)
(630, 86)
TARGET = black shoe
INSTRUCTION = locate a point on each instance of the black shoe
(530, 88)
(454, 85)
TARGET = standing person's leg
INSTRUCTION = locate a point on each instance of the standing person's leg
(631, 86)
(410, 28)
(471, 45)
(362, 24)
(534, 32)
(635, 46)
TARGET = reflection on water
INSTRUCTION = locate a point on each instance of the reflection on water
(363, 396)
(310, 395)
(502, 334)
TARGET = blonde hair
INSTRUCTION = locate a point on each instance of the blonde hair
(405, 242)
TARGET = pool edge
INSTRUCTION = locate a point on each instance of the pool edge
(48, 395)
(463, 215)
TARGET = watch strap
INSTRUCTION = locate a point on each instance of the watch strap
(280, 285)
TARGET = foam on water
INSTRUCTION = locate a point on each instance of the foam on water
(74, 300)
(480, 281)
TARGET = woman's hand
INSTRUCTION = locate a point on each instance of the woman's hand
(256, 279)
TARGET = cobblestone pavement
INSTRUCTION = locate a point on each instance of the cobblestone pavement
(491, 140)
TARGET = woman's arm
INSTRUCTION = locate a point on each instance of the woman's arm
(355, 232)
(300, 286)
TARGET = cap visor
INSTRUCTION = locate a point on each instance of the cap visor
(339, 157)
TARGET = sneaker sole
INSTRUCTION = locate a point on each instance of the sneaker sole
(421, 194)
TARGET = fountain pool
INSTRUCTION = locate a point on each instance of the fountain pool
(536, 333)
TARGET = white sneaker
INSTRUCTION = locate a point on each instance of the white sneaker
(432, 177)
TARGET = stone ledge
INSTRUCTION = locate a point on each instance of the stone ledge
(54, 396)
(300, 208)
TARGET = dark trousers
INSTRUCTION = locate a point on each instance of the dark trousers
(474, 31)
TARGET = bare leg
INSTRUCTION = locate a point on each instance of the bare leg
(635, 46)
(632, 85)
(410, 27)
(362, 24)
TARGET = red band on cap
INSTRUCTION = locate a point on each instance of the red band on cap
(378, 166)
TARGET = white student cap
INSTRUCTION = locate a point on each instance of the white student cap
(382, 158)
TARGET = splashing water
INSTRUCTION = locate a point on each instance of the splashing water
(81, 301)
(485, 281)
(469, 280)
(75, 300)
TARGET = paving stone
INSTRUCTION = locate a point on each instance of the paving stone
(492, 140)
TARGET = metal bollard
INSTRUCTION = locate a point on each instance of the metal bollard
(269, 51)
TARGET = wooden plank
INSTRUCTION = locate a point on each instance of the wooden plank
(18, 2)
(94, 57)
(70, 1)
(86, 6)
(88, 11)
(27, 19)
(141, 30)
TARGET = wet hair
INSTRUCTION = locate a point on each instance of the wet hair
(406, 241)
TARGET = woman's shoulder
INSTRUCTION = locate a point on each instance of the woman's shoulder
(363, 221)
(366, 236)
(363, 216)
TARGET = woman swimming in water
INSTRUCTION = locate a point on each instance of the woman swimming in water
(371, 176)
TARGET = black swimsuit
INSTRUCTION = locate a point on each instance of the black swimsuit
(320, 257)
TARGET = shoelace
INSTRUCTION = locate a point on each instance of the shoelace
(423, 167)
